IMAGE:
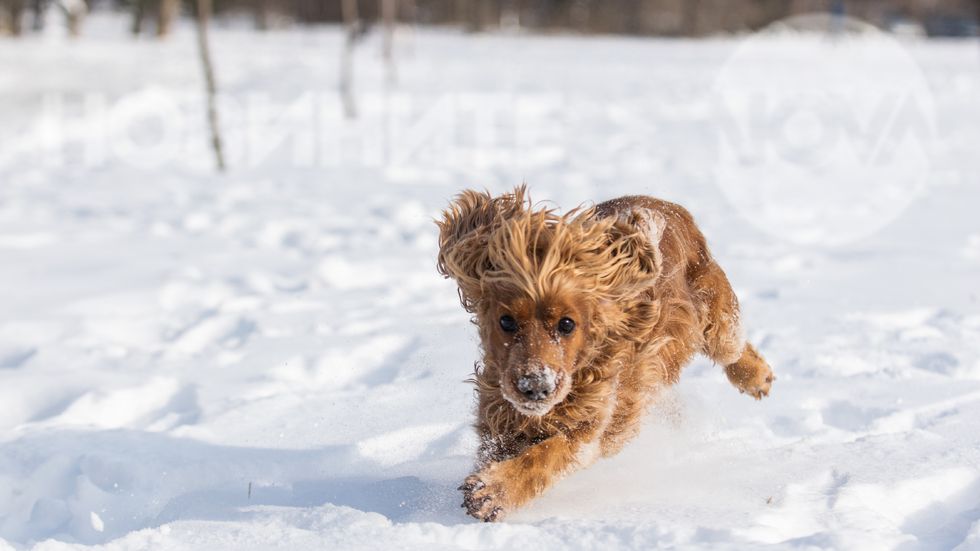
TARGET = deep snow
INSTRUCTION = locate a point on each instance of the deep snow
(268, 359)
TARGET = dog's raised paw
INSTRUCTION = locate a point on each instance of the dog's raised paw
(761, 390)
(751, 374)
(480, 500)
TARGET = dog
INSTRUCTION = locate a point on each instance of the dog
(583, 319)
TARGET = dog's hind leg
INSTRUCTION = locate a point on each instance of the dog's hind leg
(724, 338)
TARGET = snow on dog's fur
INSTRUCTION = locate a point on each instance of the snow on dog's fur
(583, 318)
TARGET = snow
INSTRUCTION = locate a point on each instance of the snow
(268, 358)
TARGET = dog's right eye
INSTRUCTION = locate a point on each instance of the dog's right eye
(509, 324)
(566, 326)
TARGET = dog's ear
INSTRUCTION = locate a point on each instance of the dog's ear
(633, 250)
(464, 234)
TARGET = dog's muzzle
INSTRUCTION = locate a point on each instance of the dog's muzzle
(536, 387)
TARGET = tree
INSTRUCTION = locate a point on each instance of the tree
(351, 25)
(75, 11)
(388, 18)
(39, 6)
(14, 9)
(203, 16)
(139, 14)
(165, 16)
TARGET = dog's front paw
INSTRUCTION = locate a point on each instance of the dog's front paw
(483, 495)
(751, 374)
(759, 388)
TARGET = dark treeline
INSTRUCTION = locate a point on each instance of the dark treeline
(642, 17)
(648, 17)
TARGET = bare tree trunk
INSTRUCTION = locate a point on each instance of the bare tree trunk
(165, 17)
(203, 15)
(977, 4)
(16, 9)
(261, 13)
(139, 14)
(74, 23)
(349, 10)
(38, 15)
(389, 15)
(75, 11)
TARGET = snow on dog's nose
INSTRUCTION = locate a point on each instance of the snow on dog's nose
(537, 387)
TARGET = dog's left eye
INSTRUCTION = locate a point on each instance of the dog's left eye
(566, 326)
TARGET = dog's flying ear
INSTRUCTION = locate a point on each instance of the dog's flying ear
(633, 250)
(464, 233)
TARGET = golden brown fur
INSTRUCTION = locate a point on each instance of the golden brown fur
(633, 280)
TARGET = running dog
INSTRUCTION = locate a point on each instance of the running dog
(583, 319)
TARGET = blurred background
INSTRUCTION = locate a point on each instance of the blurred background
(637, 17)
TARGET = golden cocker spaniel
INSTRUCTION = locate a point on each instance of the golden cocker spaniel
(583, 318)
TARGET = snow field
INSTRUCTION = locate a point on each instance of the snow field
(267, 358)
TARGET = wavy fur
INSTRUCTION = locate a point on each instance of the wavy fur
(636, 277)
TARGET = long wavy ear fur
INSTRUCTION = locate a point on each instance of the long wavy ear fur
(464, 234)
(484, 239)
(634, 240)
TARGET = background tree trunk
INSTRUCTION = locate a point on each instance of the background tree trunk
(976, 4)
(349, 9)
(38, 15)
(203, 16)
(139, 14)
(261, 13)
(16, 9)
(74, 11)
(168, 10)
(389, 9)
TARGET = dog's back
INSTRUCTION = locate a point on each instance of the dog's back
(697, 313)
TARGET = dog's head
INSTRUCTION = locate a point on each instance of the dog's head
(542, 286)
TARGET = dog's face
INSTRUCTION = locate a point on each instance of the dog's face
(536, 280)
(536, 345)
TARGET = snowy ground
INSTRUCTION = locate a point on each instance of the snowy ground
(267, 358)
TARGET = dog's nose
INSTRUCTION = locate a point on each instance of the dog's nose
(536, 387)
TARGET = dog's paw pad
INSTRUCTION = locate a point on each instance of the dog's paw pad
(480, 501)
